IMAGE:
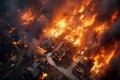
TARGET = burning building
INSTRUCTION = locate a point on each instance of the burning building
(82, 34)
(89, 25)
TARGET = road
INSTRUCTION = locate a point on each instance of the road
(73, 64)
(66, 72)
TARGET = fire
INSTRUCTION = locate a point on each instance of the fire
(15, 43)
(77, 24)
(81, 17)
(78, 27)
(81, 9)
(112, 53)
(59, 28)
(97, 65)
(27, 17)
(72, 28)
(100, 28)
(114, 16)
(40, 50)
(61, 23)
(75, 36)
(102, 59)
(44, 75)
(89, 21)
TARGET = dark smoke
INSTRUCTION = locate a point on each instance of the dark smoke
(112, 74)
(113, 71)
(8, 15)
(112, 35)
(8, 11)
(106, 9)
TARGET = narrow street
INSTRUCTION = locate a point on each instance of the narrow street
(66, 72)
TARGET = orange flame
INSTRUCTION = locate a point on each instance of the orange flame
(100, 28)
(44, 75)
(27, 17)
(78, 24)
(111, 54)
(114, 16)
(69, 28)
(15, 43)
(102, 60)
(41, 50)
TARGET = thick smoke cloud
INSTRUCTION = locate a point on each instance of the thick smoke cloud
(112, 35)
(8, 19)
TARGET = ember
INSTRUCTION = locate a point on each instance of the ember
(44, 75)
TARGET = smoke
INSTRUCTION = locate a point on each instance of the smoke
(109, 38)
(112, 35)
(113, 70)
(8, 20)
(106, 8)
(50, 8)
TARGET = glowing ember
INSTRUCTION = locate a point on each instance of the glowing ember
(15, 43)
(44, 75)
(27, 17)
(40, 50)
(25, 45)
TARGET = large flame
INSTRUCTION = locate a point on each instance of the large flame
(102, 60)
(80, 27)
(78, 24)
